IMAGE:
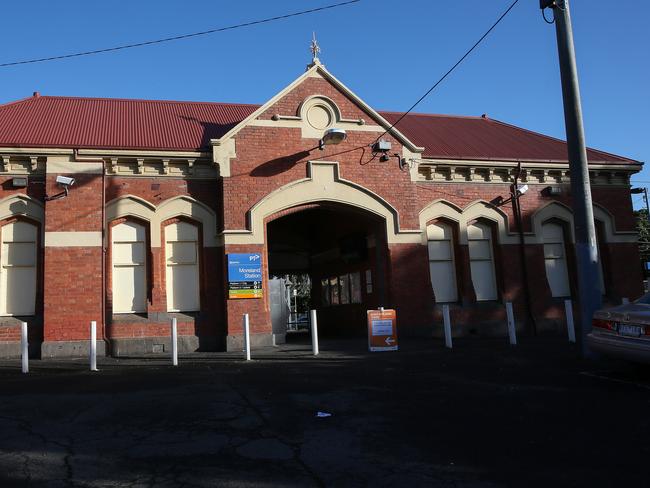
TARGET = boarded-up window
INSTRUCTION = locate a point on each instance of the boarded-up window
(182, 263)
(481, 258)
(441, 263)
(555, 261)
(129, 255)
(18, 269)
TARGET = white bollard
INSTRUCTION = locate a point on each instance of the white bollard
(247, 338)
(625, 301)
(447, 326)
(512, 334)
(174, 342)
(314, 333)
(24, 347)
(570, 326)
(93, 346)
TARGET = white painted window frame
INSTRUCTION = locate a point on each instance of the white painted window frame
(452, 260)
(490, 259)
(3, 265)
(143, 265)
(197, 263)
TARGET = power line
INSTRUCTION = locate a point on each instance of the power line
(176, 38)
(450, 69)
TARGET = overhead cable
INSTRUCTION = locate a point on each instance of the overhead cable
(450, 69)
(177, 38)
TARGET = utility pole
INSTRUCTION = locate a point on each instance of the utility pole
(589, 293)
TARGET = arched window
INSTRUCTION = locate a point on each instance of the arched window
(182, 267)
(481, 259)
(129, 268)
(555, 261)
(18, 268)
(441, 262)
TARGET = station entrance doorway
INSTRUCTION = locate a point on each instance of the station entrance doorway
(340, 252)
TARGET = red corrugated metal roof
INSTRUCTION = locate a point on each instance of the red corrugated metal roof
(104, 123)
(482, 138)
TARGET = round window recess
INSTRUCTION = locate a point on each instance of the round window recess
(319, 117)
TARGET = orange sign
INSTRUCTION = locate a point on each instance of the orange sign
(382, 330)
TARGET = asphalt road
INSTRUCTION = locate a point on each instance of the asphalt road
(482, 415)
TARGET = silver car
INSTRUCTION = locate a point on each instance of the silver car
(623, 331)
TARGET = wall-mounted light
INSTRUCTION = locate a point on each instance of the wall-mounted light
(552, 191)
(19, 181)
(332, 137)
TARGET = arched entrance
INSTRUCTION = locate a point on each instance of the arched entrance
(341, 251)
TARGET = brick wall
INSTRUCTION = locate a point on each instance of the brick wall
(73, 275)
(209, 322)
(268, 158)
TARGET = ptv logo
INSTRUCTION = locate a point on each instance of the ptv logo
(254, 257)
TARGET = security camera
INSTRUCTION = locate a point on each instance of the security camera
(65, 180)
(521, 189)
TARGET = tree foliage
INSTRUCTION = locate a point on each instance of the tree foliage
(643, 228)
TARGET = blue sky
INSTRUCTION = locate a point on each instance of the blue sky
(388, 52)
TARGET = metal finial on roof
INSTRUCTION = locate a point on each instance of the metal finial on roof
(315, 50)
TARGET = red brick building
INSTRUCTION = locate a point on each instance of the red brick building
(164, 191)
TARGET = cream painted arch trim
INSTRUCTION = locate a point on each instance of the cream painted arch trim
(192, 209)
(563, 212)
(323, 184)
(611, 234)
(463, 217)
(24, 205)
(130, 205)
(552, 210)
(180, 206)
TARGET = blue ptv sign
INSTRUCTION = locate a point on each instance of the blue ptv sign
(245, 275)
